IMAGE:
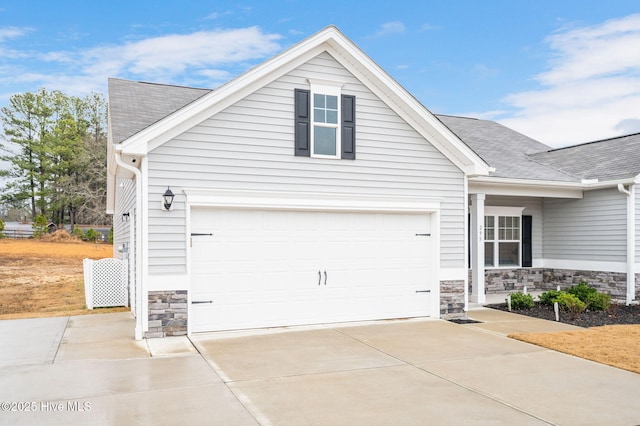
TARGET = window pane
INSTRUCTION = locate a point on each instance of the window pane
(501, 221)
(488, 221)
(488, 254)
(324, 140)
(319, 115)
(318, 101)
(509, 254)
(332, 117)
(332, 102)
(489, 234)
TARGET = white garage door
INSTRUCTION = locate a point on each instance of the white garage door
(277, 268)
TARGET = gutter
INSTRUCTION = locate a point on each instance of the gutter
(631, 240)
(138, 246)
(585, 184)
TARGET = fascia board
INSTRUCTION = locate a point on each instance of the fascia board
(537, 188)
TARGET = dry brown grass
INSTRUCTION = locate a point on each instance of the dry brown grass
(41, 278)
(615, 345)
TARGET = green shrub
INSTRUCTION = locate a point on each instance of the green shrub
(549, 297)
(92, 234)
(39, 226)
(521, 301)
(571, 303)
(599, 302)
(77, 232)
(582, 291)
(1, 228)
(110, 236)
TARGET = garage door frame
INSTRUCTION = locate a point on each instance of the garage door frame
(299, 201)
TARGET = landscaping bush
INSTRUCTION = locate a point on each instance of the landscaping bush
(571, 304)
(521, 301)
(549, 297)
(1, 228)
(599, 302)
(593, 299)
(582, 291)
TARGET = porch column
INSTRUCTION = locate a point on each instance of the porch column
(477, 248)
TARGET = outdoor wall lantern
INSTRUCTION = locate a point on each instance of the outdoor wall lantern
(125, 217)
(167, 199)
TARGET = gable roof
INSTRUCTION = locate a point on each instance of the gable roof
(135, 139)
(605, 160)
(506, 150)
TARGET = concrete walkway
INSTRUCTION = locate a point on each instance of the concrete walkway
(388, 372)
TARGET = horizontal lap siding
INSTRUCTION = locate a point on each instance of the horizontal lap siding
(125, 203)
(590, 229)
(637, 219)
(249, 146)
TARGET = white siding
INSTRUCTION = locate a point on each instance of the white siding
(249, 146)
(125, 203)
(589, 229)
(637, 219)
(532, 207)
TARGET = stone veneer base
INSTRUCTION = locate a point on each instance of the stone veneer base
(167, 313)
(514, 280)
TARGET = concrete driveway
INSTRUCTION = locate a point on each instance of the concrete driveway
(393, 372)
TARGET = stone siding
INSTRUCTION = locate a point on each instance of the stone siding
(514, 280)
(451, 299)
(167, 313)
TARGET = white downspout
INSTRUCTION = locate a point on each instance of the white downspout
(466, 244)
(631, 240)
(139, 257)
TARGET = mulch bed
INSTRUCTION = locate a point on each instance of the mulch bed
(617, 314)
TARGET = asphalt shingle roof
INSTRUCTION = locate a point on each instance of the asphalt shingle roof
(135, 105)
(505, 149)
(609, 159)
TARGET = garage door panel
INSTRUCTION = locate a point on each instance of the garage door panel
(262, 268)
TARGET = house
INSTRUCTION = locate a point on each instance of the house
(315, 189)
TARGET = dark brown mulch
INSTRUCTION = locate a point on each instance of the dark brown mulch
(617, 314)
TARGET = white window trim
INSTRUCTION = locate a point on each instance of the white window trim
(332, 88)
(503, 211)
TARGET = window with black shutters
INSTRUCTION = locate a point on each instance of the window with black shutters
(325, 122)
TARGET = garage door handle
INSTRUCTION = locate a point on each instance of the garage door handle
(423, 291)
(197, 302)
(319, 277)
(325, 277)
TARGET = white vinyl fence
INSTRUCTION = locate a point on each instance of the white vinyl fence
(105, 283)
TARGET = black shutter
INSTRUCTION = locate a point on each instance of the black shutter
(348, 127)
(302, 122)
(527, 255)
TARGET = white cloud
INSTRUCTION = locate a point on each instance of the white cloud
(12, 32)
(198, 58)
(591, 90)
(394, 27)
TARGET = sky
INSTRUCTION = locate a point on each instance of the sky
(560, 71)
